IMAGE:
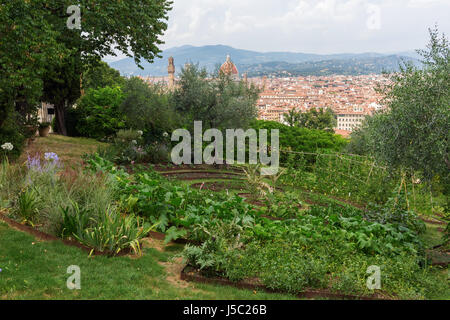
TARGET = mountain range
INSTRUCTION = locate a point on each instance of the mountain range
(268, 63)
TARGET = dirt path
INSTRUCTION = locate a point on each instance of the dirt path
(173, 267)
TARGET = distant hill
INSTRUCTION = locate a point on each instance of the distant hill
(267, 63)
(351, 66)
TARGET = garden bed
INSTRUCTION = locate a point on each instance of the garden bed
(203, 167)
(187, 176)
(435, 221)
(47, 237)
(439, 258)
(161, 236)
(191, 274)
(218, 186)
(207, 172)
(350, 203)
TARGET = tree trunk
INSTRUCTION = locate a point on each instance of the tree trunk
(60, 118)
(447, 161)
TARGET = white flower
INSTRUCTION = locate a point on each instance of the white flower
(165, 134)
(7, 146)
(140, 132)
(134, 142)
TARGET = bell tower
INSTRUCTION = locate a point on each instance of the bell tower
(171, 71)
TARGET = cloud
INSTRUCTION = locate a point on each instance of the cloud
(321, 26)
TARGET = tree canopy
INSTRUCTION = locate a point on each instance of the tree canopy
(27, 46)
(147, 108)
(312, 119)
(216, 100)
(414, 130)
(43, 59)
(100, 76)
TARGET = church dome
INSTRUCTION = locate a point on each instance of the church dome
(229, 68)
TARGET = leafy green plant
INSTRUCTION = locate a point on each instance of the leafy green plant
(173, 233)
(43, 125)
(395, 211)
(27, 205)
(74, 220)
(214, 254)
(114, 233)
(256, 182)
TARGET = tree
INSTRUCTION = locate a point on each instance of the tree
(62, 88)
(292, 117)
(301, 139)
(27, 45)
(107, 27)
(98, 114)
(414, 131)
(101, 76)
(312, 119)
(217, 100)
(147, 108)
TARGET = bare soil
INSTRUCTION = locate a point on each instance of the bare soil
(218, 186)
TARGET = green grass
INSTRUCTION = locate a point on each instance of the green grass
(68, 149)
(38, 271)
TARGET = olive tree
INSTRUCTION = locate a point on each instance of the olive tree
(216, 100)
(414, 131)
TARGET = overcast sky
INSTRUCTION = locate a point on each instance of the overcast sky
(311, 26)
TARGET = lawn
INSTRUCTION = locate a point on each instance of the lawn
(33, 269)
(68, 149)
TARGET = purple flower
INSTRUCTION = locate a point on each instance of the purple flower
(52, 162)
(51, 156)
(34, 163)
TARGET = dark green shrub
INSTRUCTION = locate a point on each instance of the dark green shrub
(98, 114)
(157, 153)
(302, 140)
(11, 132)
(147, 108)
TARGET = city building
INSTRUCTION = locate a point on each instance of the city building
(351, 98)
(230, 69)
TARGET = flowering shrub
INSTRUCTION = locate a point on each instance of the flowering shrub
(127, 147)
(7, 146)
(52, 157)
(34, 163)
(51, 163)
(12, 137)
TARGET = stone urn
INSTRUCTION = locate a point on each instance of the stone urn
(44, 129)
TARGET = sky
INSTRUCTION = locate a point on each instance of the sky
(309, 26)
